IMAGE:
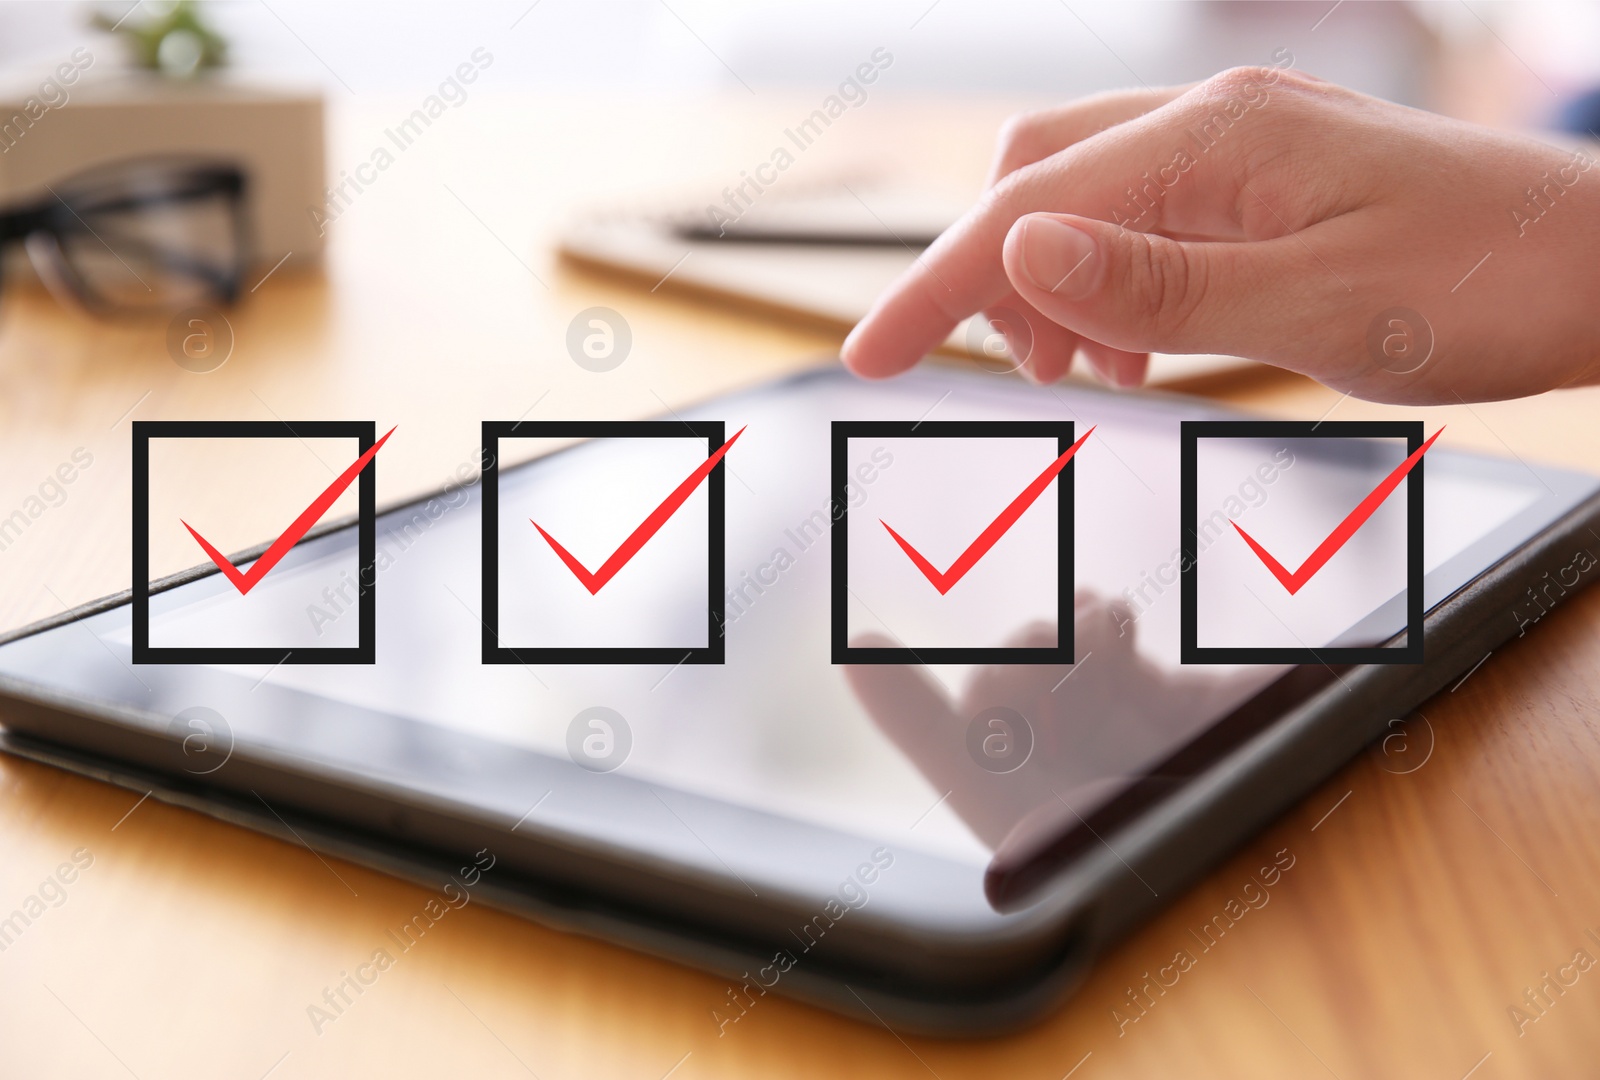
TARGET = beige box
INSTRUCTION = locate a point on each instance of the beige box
(50, 130)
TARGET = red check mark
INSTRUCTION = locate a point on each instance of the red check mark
(1341, 535)
(649, 527)
(294, 533)
(987, 539)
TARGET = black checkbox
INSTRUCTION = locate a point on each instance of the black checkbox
(1196, 541)
(497, 650)
(1062, 652)
(364, 652)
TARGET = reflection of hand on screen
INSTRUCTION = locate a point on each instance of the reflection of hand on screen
(1094, 725)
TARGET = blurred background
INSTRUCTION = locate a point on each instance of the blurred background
(1522, 58)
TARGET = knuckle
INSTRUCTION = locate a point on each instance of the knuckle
(992, 200)
(1016, 128)
(1239, 81)
(1228, 96)
(1300, 80)
(1231, 110)
(1019, 140)
(1008, 197)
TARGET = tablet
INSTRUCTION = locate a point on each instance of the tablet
(947, 845)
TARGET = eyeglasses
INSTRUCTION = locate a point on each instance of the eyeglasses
(138, 236)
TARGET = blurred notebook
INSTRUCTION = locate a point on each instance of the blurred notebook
(820, 256)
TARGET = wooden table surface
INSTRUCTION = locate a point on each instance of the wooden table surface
(1421, 905)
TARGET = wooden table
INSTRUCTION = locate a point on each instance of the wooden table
(1420, 905)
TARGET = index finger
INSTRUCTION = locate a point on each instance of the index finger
(962, 272)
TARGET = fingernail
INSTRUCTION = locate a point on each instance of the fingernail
(1059, 258)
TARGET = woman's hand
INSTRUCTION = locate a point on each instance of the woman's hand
(1392, 253)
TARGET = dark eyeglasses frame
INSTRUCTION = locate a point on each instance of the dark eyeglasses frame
(60, 216)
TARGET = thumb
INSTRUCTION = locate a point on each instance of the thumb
(1143, 292)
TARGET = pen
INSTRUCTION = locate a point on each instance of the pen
(810, 237)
